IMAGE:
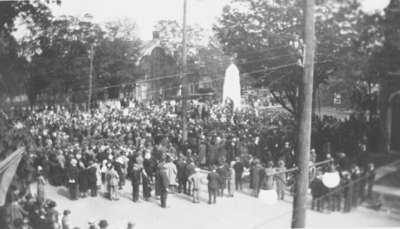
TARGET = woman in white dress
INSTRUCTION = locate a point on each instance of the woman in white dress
(268, 194)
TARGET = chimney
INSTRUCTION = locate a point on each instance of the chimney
(156, 35)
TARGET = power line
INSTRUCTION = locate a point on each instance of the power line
(256, 60)
(267, 71)
(154, 79)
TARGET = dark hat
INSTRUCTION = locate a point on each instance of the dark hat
(103, 223)
(52, 204)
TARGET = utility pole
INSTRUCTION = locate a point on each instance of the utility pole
(305, 116)
(183, 75)
(91, 56)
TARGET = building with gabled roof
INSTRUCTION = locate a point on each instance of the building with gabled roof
(158, 72)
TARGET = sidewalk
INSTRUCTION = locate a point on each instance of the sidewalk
(387, 188)
(240, 212)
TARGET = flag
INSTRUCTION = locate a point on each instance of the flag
(7, 171)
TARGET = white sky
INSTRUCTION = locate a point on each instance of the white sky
(146, 13)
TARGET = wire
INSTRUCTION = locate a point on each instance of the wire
(264, 59)
(149, 80)
(194, 83)
(264, 50)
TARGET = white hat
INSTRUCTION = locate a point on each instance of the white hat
(74, 161)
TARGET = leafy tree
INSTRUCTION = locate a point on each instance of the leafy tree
(116, 55)
(13, 66)
(268, 38)
(383, 66)
(61, 54)
(206, 61)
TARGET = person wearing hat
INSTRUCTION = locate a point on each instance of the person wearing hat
(112, 182)
(103, 224)
(65, 221)
(370, 174)
(189, 170)
(40, 186)
(131, 225)
(213, 185)
(92, 178)
(256, 177)
(195, 180)
(280, 178)
(72, 179)
(171, 172)
(163, 185)
(318, 190)
(52, 216)
(181, 165)
(347, 185)
(231, 179)
(135, 171)
(239, 169)
(92, 224)
(202, 152)
(223, 172)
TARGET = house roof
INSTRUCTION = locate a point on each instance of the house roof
(148, 49)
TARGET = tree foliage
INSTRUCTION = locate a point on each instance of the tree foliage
(268, 38)
(13, 66)
(61, 57)
(206, 61)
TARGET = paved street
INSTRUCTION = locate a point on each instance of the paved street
(242, 212)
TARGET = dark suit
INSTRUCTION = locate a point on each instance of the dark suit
(318, 190)
(257, 173)
(213, 185)
(164, 183)
(135, 174)
(239, 168)
(92, 180)
(73, 185)
(181, 167)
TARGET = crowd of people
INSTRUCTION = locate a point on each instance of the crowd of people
(144, 144)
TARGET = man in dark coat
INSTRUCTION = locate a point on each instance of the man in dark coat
(370, 176)
(239, 168)
(72, 179)
(92, 178)
(347, 191)
(181, 167)
(83, 178)
(146, 185)
(223, 173)
(134, 175)
(213, 185)
(318, 189)
(356, 177)
(164, 184)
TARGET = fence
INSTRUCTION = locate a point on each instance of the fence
(350, 194)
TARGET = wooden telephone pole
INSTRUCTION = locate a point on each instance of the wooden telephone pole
(305, 118)
(91, 56)
(183, 75)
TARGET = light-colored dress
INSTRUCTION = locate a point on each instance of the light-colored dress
(171, 172)
(40, 189)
